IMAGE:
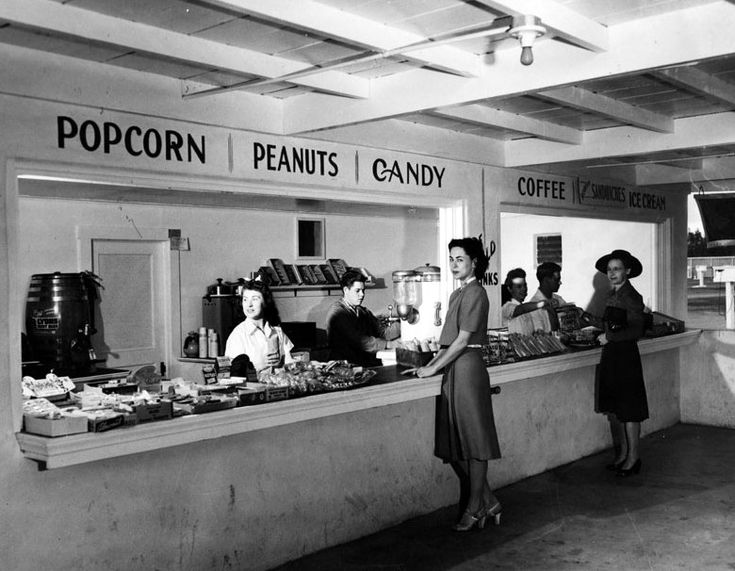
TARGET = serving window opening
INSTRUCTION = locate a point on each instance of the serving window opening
(575, 243)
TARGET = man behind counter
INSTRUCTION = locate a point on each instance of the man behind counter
(353, 332)
(549, 280)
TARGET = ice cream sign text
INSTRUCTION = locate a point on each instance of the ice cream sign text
(407, 173)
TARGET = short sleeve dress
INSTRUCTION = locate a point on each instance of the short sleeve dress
(465, 425)
(621, 389)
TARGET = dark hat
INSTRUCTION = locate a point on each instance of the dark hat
(628, 259)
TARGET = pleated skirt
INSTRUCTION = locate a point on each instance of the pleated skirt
(465, 425)
(621, 390)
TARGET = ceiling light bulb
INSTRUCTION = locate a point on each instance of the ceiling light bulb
(526, 55)
(526, 29)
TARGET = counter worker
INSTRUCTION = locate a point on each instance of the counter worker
(259, 335)
(354, 334)
(548, 275)
(514, 311)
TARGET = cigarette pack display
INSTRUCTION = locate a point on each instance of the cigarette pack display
(328, 272)
(280, 269)
(339, 266)
(318, 274)
(54, 427)
(269, 276)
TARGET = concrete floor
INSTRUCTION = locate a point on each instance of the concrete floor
(678, 513)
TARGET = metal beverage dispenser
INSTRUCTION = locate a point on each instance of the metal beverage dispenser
(60, 321)
(417, 294)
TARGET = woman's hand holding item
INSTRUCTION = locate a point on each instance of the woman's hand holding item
(602, 339)
(273, 357)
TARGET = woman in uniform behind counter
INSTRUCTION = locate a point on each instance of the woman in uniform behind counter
(259, 335)
(465, 427)
(516, 315)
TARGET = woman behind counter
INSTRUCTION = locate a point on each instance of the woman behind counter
(465, 427)
(622, 392)
(514, 292)
(259, 335)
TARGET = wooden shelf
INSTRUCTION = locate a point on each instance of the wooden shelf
(324, 289)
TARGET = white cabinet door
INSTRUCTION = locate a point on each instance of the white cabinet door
(130, 319)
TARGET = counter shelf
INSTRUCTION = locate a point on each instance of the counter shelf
(388, 387)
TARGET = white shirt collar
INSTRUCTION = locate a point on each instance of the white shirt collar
(251, 327)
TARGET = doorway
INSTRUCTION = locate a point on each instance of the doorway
(130, 316)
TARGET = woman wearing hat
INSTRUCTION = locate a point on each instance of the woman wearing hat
(622, 392)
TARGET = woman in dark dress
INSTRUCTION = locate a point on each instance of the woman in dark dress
(465, 427)
(622, 392)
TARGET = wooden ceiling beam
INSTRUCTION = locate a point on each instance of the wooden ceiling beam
(638, 46)
(85, 25)
(706, 131)
(620, 111)
(341, 25)
(700, 82)
(497, 118)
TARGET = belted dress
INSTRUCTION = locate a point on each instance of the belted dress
(465, 424)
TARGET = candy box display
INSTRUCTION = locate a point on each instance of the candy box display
(54, 426)
(107, 421)
(50, 387)
(40, 416)
(160, 410)
(302, 378)
(409, 358)
(251, 394)
(498, 349)
(205, 403)
(659, 324)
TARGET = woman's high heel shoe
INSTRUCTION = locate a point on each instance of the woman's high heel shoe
(470, 520)
(634, 469)
(493, 512)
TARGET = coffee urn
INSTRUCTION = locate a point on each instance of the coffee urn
(60, 321)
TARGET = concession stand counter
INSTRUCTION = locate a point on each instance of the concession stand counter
(257, 486)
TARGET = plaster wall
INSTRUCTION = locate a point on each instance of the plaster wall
(708, 380)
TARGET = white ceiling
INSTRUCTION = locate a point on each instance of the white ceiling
(642, 91)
